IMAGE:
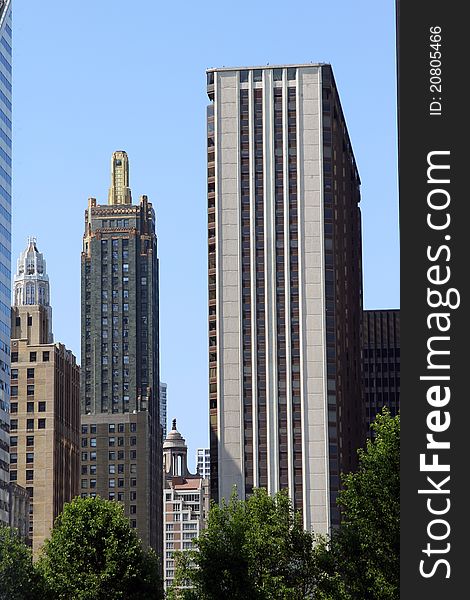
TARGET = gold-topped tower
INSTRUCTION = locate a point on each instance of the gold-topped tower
(119, 192)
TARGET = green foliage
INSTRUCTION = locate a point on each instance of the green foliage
(362, 559)
(17, 578)
(257, 550)
(254, 549)
(93, 554)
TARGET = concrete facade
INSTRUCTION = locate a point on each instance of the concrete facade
(285, 295)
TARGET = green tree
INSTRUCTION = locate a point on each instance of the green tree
(254, 549)
(93, 554)
(361, 561)
(17, 577)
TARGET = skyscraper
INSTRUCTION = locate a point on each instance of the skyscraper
(121, 433)
(45, 401)
(381, 363)
(285, 295)
(5, 246)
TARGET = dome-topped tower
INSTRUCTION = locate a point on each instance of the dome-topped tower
(175, 454)
(31, 284)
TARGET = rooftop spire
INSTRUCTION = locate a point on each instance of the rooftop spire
(119, 192)
(31, 284)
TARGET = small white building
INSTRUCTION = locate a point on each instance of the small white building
(185, 502)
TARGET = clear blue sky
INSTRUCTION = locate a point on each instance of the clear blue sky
(95, 76)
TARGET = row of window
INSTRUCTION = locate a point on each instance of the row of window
(29, 373)
(111, 428)
(85, 483)
(41, 406)
(111, 455)
(32, 357)
(29, 424)
(111, 441)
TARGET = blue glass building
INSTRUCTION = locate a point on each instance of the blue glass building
(5, 248)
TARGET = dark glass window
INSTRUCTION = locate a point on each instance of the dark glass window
(243, 76)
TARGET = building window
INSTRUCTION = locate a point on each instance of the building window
(133, 482)
(14, 391)
(133, 441)
(14, 357)
(93, 442)
(29, 457)
(29, 440)
(111, 469)
(30, 424)
(45, 356)
(93, 428)
(13, 475)
(93, 455)
(112, 441)
(13, 407)
(13, 424)
(133, 427)
(112, 483)
(30, 407)
(32, 357)
(84, 483)
(120, 427)
(30, 390)
(41, 406)
(133, 509)
(13, 440)
(14, 373)
(29, 474)
(111, 428)
(84, 469)
(30, 373)
(93, 483)
(13, 457)
(41, 423)
(92, 469)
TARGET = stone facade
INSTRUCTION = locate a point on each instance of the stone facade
(44, 419)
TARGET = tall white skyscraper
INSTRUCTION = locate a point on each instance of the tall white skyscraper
(284, 242)
(5, 248)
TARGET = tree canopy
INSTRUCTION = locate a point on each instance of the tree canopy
(253, 549)
(362, 561)
(94, 554)
(258, 549)
(17, 577)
